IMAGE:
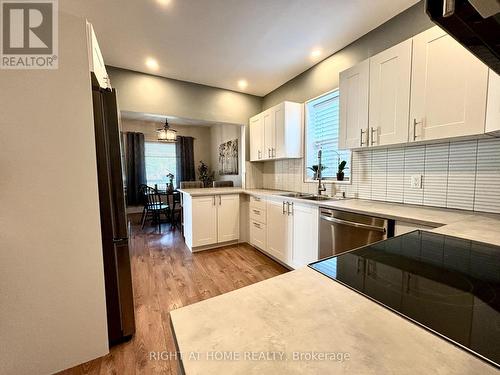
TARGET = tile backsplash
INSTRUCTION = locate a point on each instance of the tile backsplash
(459, 174)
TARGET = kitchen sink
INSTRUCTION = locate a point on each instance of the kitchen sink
(297, 195)
(318, 198)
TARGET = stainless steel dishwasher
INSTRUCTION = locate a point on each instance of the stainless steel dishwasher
(340, 231)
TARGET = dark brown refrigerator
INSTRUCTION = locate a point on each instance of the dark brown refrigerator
(117, 271)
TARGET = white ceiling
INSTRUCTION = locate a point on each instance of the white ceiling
(218, 42)
(172, 120)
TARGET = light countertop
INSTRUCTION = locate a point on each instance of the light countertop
(471, 225)
(301, 312)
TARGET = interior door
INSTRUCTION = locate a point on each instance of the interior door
(205, 221)
(354, 93)
(228, 217)
(278, 230)
(448, 88)
(389, 108)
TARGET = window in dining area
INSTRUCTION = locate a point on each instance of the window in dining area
(160, 161)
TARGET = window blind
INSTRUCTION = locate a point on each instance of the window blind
(322, 133)
(160, 160)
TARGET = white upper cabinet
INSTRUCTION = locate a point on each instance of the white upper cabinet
(269, 133)
(256, 138)
(353, 91)
(448, 88)
(277, 133)
(493, 105)
(96, 61)
(390, 76)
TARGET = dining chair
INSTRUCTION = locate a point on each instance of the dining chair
(154, 207)
(191, 184)
(223, 184)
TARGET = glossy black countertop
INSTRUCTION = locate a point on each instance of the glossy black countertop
(448, 285)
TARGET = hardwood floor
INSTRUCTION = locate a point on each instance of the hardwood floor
(166, 276)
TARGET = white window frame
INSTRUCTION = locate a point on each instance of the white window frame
(326, 180)
(145, 156)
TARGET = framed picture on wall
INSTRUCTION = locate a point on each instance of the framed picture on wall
(228, 158)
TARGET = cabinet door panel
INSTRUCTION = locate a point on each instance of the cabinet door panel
(448, 90)
(228, 217)
(305, 235)
(269, 133)
(493, 106)
(256, 138)
(277, 230)
(354, 93)
(389, 109)
(258, 235)
(204, 217)
(279, 147)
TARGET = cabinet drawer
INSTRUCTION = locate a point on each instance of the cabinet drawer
(258, 203)
(258, 215)
(258, 235)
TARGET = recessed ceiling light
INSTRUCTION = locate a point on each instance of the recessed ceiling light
(152, 63)
(316, 53)
(163, 2)
(242, 84)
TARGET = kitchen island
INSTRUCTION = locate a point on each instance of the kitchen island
(304, 323)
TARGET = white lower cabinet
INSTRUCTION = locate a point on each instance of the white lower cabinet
(305, 235)
(211, 220)
(279, 229)
(258, 234)
(291, 231)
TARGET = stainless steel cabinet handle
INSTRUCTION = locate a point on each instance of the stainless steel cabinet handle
(257, 199)
(448, 8)
(361, 143)
(256, 212)
(373, 131)
(256, 225)
(288, 208)
(213, 200)
(268, 152)
(352, 224)
(415, 123)
(220, 200)
(259, 153)
(284, 212)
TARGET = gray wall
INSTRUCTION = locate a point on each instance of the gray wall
(139, 92)
(324, 76)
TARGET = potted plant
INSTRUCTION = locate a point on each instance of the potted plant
(170, 184)
(340, 172)
(315, 169)
(206, 176)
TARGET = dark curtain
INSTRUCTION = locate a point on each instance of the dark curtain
(135, 166)
(185, 159)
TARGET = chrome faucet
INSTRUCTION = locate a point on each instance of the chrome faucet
(321, 186)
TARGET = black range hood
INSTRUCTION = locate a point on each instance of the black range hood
(473, 23)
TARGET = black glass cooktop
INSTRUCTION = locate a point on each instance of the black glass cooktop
(446, 284)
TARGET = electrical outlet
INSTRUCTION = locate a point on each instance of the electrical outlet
(416, 181)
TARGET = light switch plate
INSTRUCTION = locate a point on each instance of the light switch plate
(416, 181)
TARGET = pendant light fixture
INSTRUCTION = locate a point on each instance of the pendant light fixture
(167, 134)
